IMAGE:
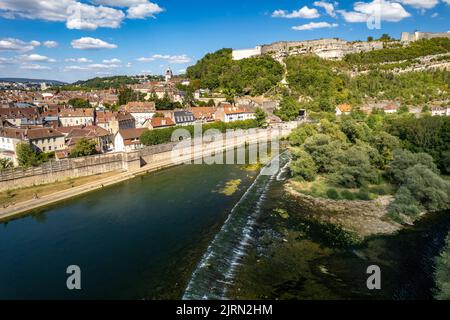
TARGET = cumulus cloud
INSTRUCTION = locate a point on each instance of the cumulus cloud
(145, 59)
(119, 3)
(420, 4)
(91, 67)
(304, 13)
(176, 59)
(77, 14)
(50, 44)
(79, 60)
(88, 43)
(35, 67)
(36, 58)
(112, 61)
(386, 10)
(315, 25)
(144, 10)
(11, 44)
(328, 7)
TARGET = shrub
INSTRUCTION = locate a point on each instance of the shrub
(333, 194)
(348, 195)
(303, 166)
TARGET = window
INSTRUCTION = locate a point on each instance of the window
(43, 149)
(54, 139)
(50, 148)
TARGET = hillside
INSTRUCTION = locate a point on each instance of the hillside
(413, 75)
(26, 80)
(114, 82)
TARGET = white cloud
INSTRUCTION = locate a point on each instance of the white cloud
(77, 14)
(79, 60)
(91, 67)
(35, 67)
(180, 59)
(112, 61)
(144, 10)
(420, 4)
(447, 2)
(119, 3)
(86, 17)
(144, 59)
(36, 58)
(386, 10)
(88, 43)
(10, 44)
(315, 25)
(6, 60)
(177, 59)
(305, 13)
(329, 7)
(50, 44)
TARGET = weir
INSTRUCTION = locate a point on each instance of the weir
(216, 270)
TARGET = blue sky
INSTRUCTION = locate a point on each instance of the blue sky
(79, 39)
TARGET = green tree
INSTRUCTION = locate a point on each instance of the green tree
(442, 273)
(303, 165)
(261, 117)
(5, 163)
(26, 156)
(289, 109)
(84, 148)
(79, 103)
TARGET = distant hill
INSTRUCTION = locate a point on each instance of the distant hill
(26, 80)
(114, 82)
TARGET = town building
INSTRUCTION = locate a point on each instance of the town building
(141, 111)
(343, 109)
(76, 117)
(45, 139)
(160, 123)
(184, 118)
(9, 139)
(230, 113)
(128, 139)
(390, 108)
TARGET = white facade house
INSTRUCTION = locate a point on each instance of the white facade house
(439, 111)
(247, 53)
(230, 113)
(128, 140)
(9, 139)
(76, 117)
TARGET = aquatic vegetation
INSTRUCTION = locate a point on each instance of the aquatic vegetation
(231, 187)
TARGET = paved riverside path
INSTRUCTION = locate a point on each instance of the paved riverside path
(28, 205)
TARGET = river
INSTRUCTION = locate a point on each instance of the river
(174, 234)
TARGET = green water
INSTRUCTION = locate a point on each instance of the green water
(140, 239)
(170, 235)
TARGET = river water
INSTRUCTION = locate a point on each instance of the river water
(173, 234)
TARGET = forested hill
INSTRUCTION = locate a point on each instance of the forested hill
(114, 82)
(396, 72)
(252, 76)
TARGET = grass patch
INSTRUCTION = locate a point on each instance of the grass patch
(322, 188)
(10, 197)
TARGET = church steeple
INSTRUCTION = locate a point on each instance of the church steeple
(169, 74)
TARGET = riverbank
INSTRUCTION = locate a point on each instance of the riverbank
(364, 218)
(297, 253)
(20, 208)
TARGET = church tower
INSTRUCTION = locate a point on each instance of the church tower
(169, 74)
